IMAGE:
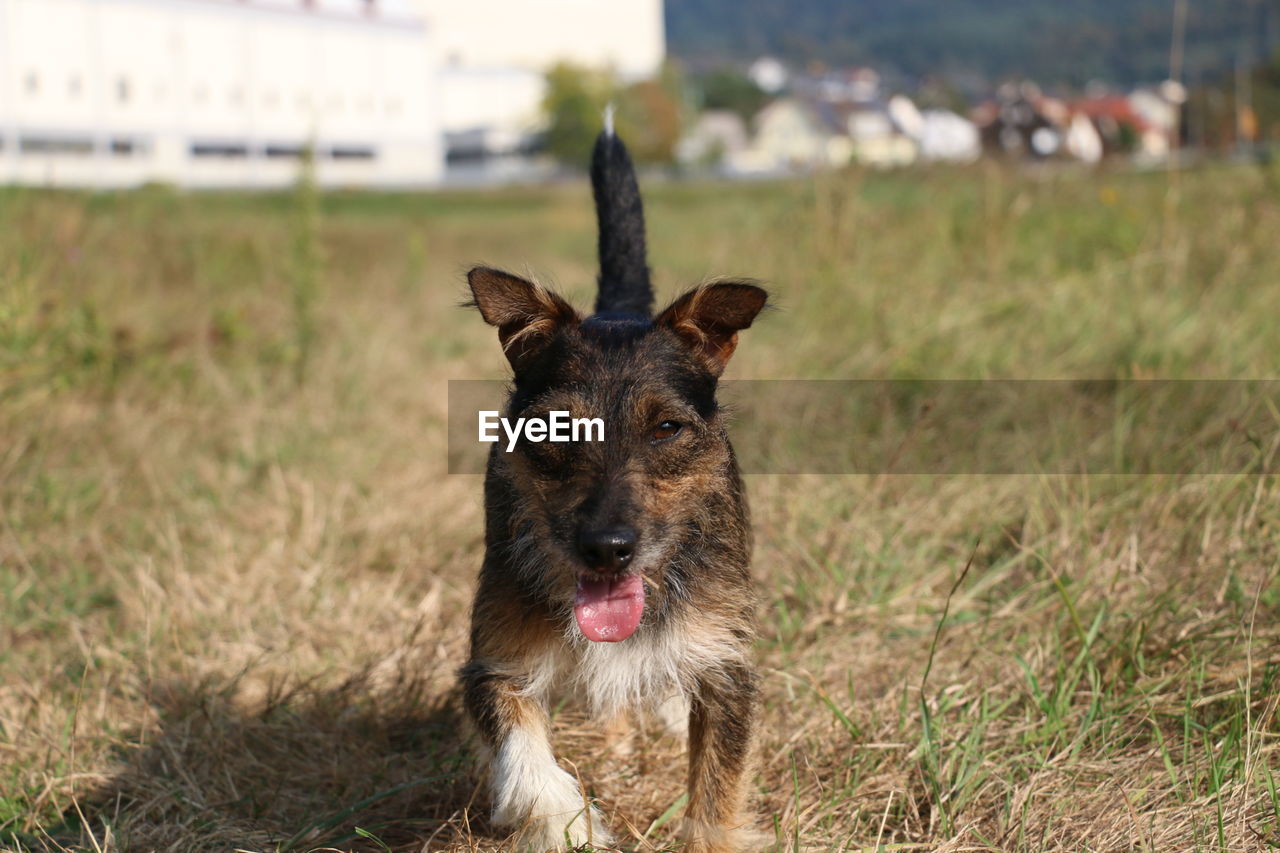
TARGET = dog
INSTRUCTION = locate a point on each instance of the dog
(616, 568)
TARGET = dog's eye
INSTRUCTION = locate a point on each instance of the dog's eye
(666, 430)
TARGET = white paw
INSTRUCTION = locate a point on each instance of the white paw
(563, 832)
(540, 801)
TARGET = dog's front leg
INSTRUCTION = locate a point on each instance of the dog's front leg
(722, 719)
(531, 793)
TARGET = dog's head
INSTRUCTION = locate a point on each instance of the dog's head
(607, 525)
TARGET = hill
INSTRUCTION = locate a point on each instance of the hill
(1125, 41)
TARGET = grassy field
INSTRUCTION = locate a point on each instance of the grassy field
(234, 575)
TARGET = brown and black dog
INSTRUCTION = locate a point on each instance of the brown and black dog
(616, 568)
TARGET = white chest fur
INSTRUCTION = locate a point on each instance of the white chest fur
(643, 673)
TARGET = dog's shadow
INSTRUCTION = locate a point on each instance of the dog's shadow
(365, 765)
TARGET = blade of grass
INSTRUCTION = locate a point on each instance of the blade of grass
(339, 816)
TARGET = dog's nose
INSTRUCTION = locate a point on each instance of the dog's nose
(608, 548)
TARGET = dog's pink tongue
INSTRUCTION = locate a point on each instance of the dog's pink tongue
(609, 611)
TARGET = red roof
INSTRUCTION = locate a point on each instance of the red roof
(1114, 107)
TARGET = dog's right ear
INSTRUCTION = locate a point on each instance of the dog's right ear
(709, 317)
(527, 314)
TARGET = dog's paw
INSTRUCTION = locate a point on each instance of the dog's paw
(580, 830)
(704, 838)
(548, 812)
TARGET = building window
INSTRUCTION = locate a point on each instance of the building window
(79, 146)
(74, 86)
(282, 152)
(31, 83)
(207, 149)
(123, 90)
(125, 146)
(353, 152)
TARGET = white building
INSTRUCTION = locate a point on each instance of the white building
(208, 93)
(495, 55)
(625, 35)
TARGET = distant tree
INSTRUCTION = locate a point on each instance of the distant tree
(730, 89)
(1212, 116)
(1209, 117)
(573, 103)
(1127, 137)
(649, 114)
(1266, 98)
(938, 93)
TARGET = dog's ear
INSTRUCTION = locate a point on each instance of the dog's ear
(527, 315)
(709, 317)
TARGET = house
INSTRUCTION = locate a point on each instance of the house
(717, 138)
(863, 126)
(1021, 122)
(878, 138)
(1145, 122)
(1082, 140)
(852, 86)
(947, 137)
(790, 134)
(216, 93)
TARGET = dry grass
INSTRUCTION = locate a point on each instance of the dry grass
(233, 602)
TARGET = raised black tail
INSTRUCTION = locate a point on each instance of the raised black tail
(624, 277)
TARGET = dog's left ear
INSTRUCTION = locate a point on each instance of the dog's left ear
(709, 317)
(527, 314)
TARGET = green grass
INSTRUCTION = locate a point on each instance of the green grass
(234, 573)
